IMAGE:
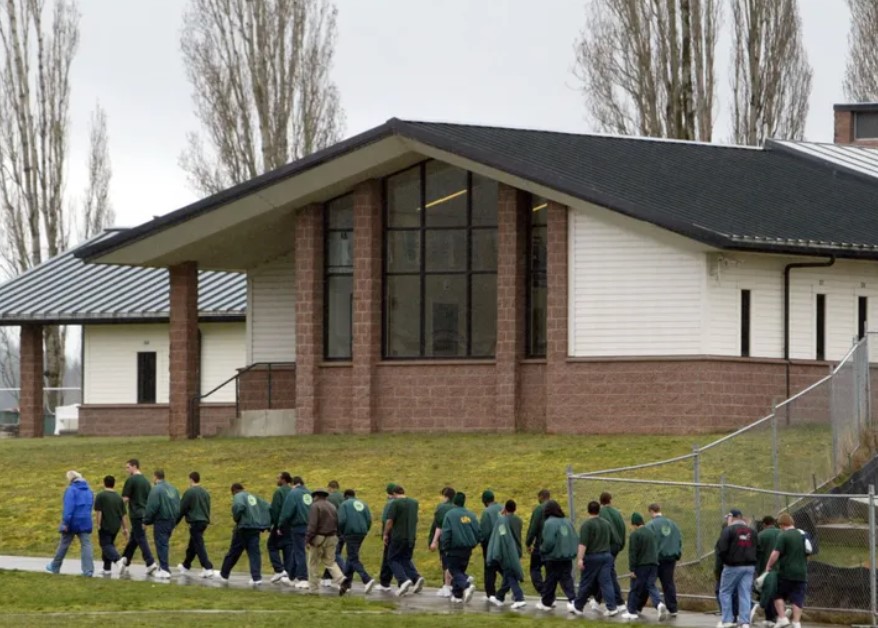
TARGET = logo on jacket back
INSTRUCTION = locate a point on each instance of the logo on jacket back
(358, 505)
(465, 519)
(501, 529)
(666, 530)
(251, 500)
(306, 499)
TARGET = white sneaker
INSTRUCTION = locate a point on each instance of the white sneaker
(796, 624)
(541, 607)
(611, 613)
(788, 613)
(367, 588)
(444, 591)
(468, 594)
(593, 604)
(471, 579)
(224, 580)
(326, 582)
(661, 610)
(571, 608)
(627, 615)
(517, 605)
(781, 622)
(161, 574)
(384, 589)
(122, 563)
(301, 584)
(456, 600)
(182, 569)
(404, 588)
(419, 585)
(106, 572)
(746, 626)
(207, 573)
(151, 568)
(278, 577)
(254, 583)
(493, 600)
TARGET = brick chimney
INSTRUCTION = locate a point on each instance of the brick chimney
(856, 123)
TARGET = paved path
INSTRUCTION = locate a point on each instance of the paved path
(427, 601)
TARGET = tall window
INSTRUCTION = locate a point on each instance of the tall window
(338, 238)
(440, 285)
(146, 372)
(862, 316)
(745, 323)
(537, 265)
(820, 335)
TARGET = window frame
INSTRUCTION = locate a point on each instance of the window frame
(746, 326)
(528, 277)
(820, 327)
(327, 273)
(862, 315)
(858, 115)
(422, 273)
(142, 379)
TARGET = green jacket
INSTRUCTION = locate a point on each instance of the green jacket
(535, 527)
(460, 530)
(503, 550)
(559, 539)
(667, 534)
(250, 512)
(336, 498)
(277, 502)
(163, 504)
(769, 589)
(642, 549)
(617, 524)
(354, 518)
(294, 513)
(764, 546)
(438, 518)
(195, 505)
(488, 521)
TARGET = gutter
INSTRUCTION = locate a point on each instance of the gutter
(786, 308)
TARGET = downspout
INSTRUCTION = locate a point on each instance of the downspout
(786, 309)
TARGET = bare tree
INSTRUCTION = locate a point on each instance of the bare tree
(861, 74)
(97, 210)
(35, 60)
(8, 363)
(771, 80)
(648, 66)
(262, 86)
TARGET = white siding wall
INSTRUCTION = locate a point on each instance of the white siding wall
(635, 290)
(111, 360)
(271, 312)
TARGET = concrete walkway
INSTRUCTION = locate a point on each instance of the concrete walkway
(425, 602)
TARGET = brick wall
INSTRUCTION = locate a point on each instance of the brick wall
(31, 378)
(309, 315)
(336, 400)
(147, 420)
(844, 129)
(532, 397)
(184, 350)
(253, 388)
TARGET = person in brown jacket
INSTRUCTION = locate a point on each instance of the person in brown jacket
(321, 538)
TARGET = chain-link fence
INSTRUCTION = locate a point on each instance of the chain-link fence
(778, 463)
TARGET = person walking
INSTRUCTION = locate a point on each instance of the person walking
(280, 541)
(385, 575)
(557, 550)
(642, 564)
(670, 550)
(75, 523)
(294, 517)
(611, 515)
(195, 507)
(765, 543)
(336, 498)
(321, 537)
(354, 523)
(445, 504)
(135, 492)
(594, 560)
(252, 516)
(459, 535)
(162, 512)
(111, 518)
(737, 550)
(790, 554)
(532, 541)
(400, 533)
(487, 522)
(504, 552)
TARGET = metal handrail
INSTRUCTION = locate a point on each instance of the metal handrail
(236, 378)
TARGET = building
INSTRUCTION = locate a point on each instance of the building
(426, 276)
(124, 312)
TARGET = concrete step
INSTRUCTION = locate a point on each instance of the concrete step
(263, 423)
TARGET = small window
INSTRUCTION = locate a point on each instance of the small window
(866, 125)
(146, 377)
(862, 316)
(745, 323)
(338, 238)
(820, 349)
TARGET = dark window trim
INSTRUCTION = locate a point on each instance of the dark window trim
(327, 273)
(820, 321)
(862, 315)
(528, 276)
(746, 302)
(422, 272)
(857, 115)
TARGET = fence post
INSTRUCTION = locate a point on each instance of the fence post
(570, 500)
(833, 421)
(872, 566)
(775, 456)
(697, 479)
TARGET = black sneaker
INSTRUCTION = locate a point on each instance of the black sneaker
(344, 587)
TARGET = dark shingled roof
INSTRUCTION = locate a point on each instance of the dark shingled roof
(731, 197)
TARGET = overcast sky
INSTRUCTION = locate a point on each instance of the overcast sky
(503, 62)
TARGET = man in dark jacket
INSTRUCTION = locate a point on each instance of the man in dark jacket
(354, 523)
(385, 574)
(643, 565)
(195, 507)
(533, 540)
(111, 518)
(670, 550)
(280, 541)
(321, 537)
(135, 492)
(294, 517)
(459, 534)
(504, 551)
(737, 549)
(162, 512)
(400, 533)
(611, 515)
(75, 523)
(487, 522)
(594, 561)
(252, 516)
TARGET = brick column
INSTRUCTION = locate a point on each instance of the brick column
(30, 401)
(184, 352)
(367, 305)
(511, 233)
(556, 307)
(309, 315)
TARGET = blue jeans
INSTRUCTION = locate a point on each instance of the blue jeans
(244, 540)
(598, 567)
(353, 564)
(86, 557)
(735, 581)
(136, 539)
(297, 568)
(643, 581)
(457, 561)
(161, 536)
(280, 549)
(399, 555)
(510, 582)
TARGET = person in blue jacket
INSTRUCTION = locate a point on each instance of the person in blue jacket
(75, 522)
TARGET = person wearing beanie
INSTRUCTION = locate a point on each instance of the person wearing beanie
(75, 523)
(385, 576)
(504, 552)
(162, 512)
(135, 492)
(459, 534)
(294, 517)
(558, 549)
(533, 540)
(487, 522)
(400, 533)
(442, 508)
(111, 518)
(642, 564)
(670, 550)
